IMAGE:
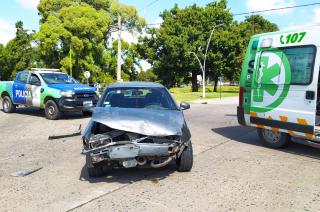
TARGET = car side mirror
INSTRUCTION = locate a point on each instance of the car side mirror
(184, 106)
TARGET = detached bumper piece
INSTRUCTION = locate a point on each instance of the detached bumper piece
(80, 101)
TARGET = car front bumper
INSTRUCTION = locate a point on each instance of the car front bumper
(77, 104)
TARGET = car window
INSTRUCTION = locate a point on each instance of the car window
(58, 78)
(34, 80)
(148, 98)
(301, 61)
(22, 77)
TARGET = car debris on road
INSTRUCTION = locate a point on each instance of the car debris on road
(77, 133)
(24, 173)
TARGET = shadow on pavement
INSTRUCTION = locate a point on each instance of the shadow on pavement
(125, 176)
(26, 111)
(248, 135)
(233, 132)
(231, 115)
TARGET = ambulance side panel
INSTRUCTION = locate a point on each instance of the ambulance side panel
(285, 81)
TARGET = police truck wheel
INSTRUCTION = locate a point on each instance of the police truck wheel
(273, 139)
(7, 105)
(52, 110)
(185, 162)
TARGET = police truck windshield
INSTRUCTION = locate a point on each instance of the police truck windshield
(58, 78)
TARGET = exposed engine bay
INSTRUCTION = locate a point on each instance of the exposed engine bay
(121, 148)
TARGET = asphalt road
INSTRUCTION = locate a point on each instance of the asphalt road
(231, 172)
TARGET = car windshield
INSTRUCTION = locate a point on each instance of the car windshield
(149, 98)
(58, 78)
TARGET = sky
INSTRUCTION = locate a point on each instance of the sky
(12, 11)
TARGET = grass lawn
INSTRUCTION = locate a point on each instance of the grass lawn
(185, 94)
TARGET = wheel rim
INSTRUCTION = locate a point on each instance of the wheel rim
(271, 136)
(5, 105)
(51, 110)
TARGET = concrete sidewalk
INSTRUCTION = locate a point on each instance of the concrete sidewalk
(224, 100)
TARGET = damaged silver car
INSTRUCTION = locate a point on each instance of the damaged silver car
(137, 124)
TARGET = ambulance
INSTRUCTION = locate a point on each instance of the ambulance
(279, 87)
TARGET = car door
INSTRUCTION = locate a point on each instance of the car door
(21, 91)
(35, 87)
(284, 89)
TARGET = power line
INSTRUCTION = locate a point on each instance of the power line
(148, 5)
(242, 13)
(276, 9)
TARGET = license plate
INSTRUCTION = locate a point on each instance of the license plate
(87, 104)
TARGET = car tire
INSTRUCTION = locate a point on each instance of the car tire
(95, 171)
(185, 162)
(7, 105)
(273, 139)
(86, 113)
(52, 110)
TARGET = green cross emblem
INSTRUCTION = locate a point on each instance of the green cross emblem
(264, 83)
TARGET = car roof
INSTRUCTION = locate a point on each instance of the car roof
(135, 84)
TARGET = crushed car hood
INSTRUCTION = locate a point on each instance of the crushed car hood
(142, 121)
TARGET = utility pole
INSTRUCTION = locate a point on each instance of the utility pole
(203, 67)
(119, 51)
(70, 54)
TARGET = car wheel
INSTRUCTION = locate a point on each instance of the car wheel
(185, 162)
(52, 110)
(273, 139)
(86, 113)
(95, 171)
(7, 105)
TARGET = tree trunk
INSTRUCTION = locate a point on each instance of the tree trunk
(215, 85)
(194, 81)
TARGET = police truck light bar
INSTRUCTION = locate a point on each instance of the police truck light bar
(45, 69)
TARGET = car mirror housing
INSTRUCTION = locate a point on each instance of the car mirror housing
(184, 106)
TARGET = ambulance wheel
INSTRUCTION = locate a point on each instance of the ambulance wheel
(52, 110)
(7, 105)
(273, 139)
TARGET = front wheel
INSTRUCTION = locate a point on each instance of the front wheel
(95, 171)
(7, 105)
(185, 162)
(273, 139)
(52, 110)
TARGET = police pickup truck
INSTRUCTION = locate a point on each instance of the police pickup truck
(47, 89)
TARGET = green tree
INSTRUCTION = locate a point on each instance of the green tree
(81, 28)
(18, 54)
(187, 30)
(147, 76)
(183, 31)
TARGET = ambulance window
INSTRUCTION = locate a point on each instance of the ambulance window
(22, 77)
(301, 61)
